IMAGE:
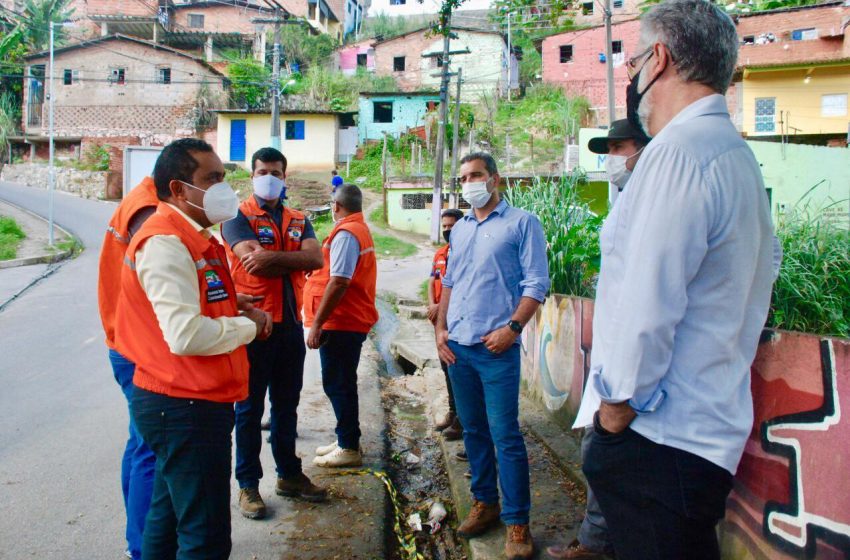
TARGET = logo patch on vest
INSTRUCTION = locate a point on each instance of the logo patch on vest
(265, 235)
(215, 287)
(294, 233)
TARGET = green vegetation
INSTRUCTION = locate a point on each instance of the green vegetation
(812, 293)
(423, 291)
(376, 216)
(11, 236)
(96, 158)
(388, 247)
(8, 119)
(322, 226)
(386, 26)
(250, 82)
(328, 89)
(303, 48)
(572, 232)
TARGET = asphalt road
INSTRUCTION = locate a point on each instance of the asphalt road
(64, 424)
(64, 419)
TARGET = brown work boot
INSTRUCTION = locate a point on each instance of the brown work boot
(300, 487)
(453, 432)
(481, 517)
(574, 550)
(251, 504)
(518, 545)
(447, 421)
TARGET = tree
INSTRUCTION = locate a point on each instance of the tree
(301, 47)
(35, 21)
(250, 83)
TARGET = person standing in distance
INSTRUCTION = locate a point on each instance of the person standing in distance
(178, 320)
(688, 265)
(623, 145)
(498, 278)
(339, 308)
(450, 427)
(137, 464)
(270, 247)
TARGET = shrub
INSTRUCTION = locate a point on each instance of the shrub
(812, 292)
(572, 232)
(11, 236)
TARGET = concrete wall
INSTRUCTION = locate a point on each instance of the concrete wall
(92, 106)
(419, 220)
(790, 176)
(416, 7)
(630, 9)
(485, 67)
(585, 75)
(348, 58)
(408, 112)
(219, 18)
(317, 152)
(799, 101)
(789, 499)
(86, 184)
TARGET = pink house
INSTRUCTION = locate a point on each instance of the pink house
(358, 55)
(576, 62)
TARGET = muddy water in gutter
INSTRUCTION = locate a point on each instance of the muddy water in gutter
(414, 461)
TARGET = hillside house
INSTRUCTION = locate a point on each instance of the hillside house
(395, 8)
(322, 15)
(357, 55)
(393, 113)
(415, 61)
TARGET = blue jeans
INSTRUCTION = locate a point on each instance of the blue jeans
(486, 388)
(189, 517)
(340, 355)
(137, 465)
(277, 364)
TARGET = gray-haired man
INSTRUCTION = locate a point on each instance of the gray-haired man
(684, 289)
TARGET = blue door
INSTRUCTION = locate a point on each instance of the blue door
(237, 140)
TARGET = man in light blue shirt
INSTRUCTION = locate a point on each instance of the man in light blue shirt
(498, 278)
(684, 289)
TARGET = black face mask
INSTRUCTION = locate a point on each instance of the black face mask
(446, 235)
(633, 98)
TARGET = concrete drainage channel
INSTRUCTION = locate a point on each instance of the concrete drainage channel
(414, 461)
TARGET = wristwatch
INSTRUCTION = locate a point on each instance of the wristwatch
(515, 326)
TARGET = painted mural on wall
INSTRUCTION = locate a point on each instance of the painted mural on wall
(792, 491)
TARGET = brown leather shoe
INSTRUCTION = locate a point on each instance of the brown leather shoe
(251, 504)
(481, 517)
(447, 421)
(574, 550)
(453, 432)
(300, 487)
(518, 544)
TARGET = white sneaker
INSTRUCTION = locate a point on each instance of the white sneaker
(340, 457)
(325, 449)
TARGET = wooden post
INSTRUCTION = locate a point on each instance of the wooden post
(384, 177)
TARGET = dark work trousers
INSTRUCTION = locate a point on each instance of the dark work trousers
(661, 503)
(452, 407)
(340, 355)
(277, 364)
(189, 516)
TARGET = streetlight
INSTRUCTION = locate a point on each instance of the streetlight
(52, 182)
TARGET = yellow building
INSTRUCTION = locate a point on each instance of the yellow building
(796, 99)
(309, 140)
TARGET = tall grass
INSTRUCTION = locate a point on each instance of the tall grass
(572, 232)
(11, 236)
(812, 293)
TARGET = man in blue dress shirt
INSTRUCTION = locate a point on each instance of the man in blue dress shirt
(499, 278)
(688, 263)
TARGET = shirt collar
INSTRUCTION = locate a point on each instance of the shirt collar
(263, 203)
(499, 209)
(198, 227)
(714, 104)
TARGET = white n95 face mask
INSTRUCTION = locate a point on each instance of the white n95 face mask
(476, 194)
(220, 202)
(268, 187)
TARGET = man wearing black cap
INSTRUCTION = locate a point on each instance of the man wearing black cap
(623, 147)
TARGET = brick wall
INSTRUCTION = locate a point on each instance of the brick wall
(141, 106)
(585, 75)
(411, 47)
(223, 19)
(629, 10)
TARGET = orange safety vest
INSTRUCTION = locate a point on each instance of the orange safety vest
(438, 270)
(219, 378)
(112, 252)
(356, 311)
(274, 239)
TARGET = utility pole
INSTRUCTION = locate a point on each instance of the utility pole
(510, 58)
(52, 181)
(437, 199)
(609, 63)
(455, 135)
(278, 19)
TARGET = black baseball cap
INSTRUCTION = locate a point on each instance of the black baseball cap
(620, 130)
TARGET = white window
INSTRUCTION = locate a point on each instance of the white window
(833, 105)
(807, 34)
